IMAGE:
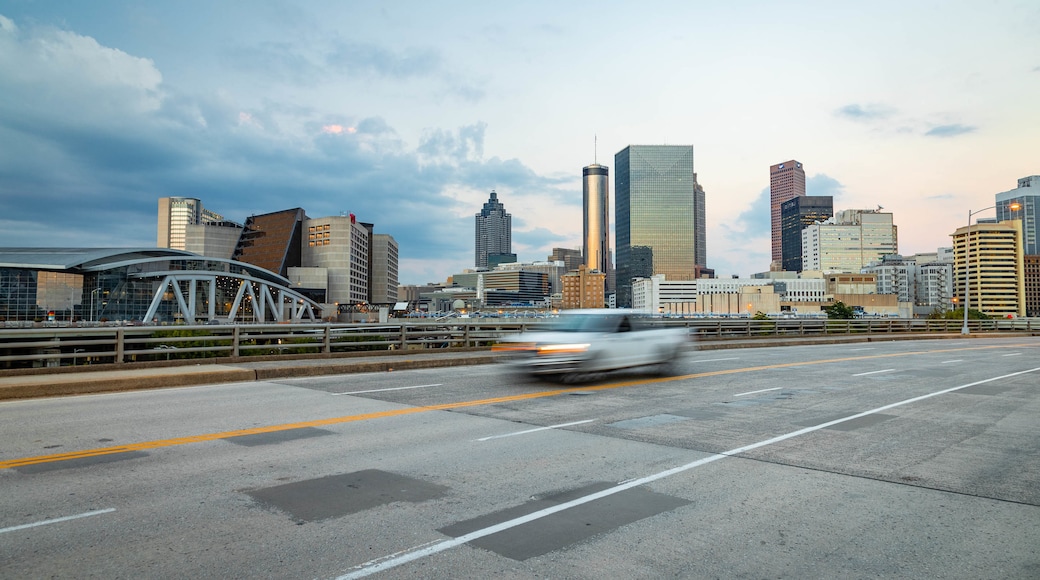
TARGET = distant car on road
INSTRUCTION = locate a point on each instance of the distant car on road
(582, 342)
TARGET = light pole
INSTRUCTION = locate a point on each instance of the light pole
(967, 269)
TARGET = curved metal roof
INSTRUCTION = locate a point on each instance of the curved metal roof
(80, 260)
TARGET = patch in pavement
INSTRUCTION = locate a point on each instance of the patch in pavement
(276, 437)
(644, 422)
(984, 390)
(566, 527)
(334, 496)
(850, 425)
(701, 414)
(80, 462)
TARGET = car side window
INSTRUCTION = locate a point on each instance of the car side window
(625, 325)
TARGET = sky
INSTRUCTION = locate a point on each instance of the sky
(408, 114)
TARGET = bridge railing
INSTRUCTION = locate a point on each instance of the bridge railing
(55, 347)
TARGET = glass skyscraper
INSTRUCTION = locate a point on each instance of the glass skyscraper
(493, 231)
(659, 215)
(1027, 196)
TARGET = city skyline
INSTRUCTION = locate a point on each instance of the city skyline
(408, 114)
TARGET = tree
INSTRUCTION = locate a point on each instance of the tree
(839, 311)
(760, 316)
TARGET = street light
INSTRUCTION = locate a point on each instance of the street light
(1014, 206)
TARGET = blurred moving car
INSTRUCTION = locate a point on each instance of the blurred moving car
(581, 342)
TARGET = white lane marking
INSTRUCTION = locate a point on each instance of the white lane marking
(874, 372)
(362, 570)
(715, 359)
(859, 349)
(383, 390)
(1012, 354)
(535, 430)
(952, 361)
(754, 392)
(56, 520)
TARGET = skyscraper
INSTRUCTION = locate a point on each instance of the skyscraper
(175, 215)
(849, 241)
(494, 231)
(659, 213)
(786, 181)
(795, 215)
(1027, 195)
(596, 205)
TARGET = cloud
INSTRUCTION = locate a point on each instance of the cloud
(953, 130)
(873, 112)
(371, 59)
(91, 137)
(821, 184)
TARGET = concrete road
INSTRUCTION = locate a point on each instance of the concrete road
(902, 459)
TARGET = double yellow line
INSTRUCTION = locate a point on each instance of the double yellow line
(25, 461)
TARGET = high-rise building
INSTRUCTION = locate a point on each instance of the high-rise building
(795, 215)
(1027, 196)
(849, 241)
(175, 215)
(571, 259)
(494, 231)
(596, 217)
(340, 246)
(786, 181)
(383, 269)
(659, 215)
(272, 240)
(990, 255)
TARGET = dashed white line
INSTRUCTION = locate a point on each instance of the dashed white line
(755, 392)
(56, 520)
(364, 570)
(715, 359)
(535, 430)
(859, 349)
(1012, 354)
(952, 361)
(873, 372)
(391, 389)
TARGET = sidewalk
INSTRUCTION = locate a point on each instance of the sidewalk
(50, 382)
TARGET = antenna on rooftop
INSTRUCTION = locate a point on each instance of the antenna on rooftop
(595, 150)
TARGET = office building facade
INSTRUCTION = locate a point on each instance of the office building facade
(786, 182)
(990, 256)
(493, 231)
(660, 215)
(272, 240)
(1027, 196)
(849, 241)
(795, 215)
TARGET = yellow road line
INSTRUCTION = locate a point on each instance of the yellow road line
(444, 407)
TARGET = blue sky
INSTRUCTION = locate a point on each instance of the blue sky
(409, 113)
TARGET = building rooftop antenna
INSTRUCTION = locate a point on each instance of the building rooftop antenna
(595, 150)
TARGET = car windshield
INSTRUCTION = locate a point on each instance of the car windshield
(586, 323)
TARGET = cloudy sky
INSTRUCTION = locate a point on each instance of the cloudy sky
(409, 113)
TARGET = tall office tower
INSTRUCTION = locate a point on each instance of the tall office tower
(658, 211)
(339, 245)
(1027, 195)
(849, 241)
(596, 206)
(990, 255)
(786, 181)
(175, 215)
(272, 240)
(383, 272)
(571, 259)
(795, 215)
(494, 231)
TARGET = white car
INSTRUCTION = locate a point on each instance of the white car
(581, 342)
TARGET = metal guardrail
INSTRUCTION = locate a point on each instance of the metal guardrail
(55, 347)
